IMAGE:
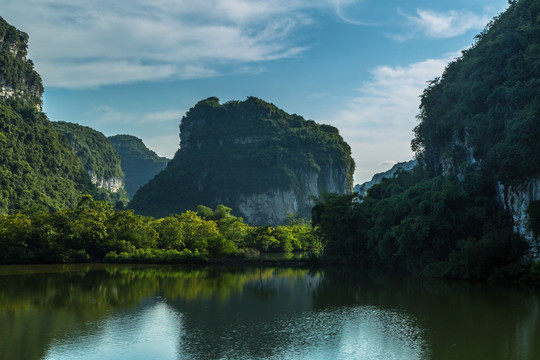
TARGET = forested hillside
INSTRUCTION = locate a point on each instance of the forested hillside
(139, 163)
(252, 156)
(464, 210)
(485, 107)
(38, 169)
(99, 159)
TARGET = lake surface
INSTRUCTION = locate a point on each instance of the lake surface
(122, 312)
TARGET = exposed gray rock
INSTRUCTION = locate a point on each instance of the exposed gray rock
(111, 184)
(516, 200)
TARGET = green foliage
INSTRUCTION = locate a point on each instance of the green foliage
(139, 163)
(438, 226)
(93, 231)
(243, 148)
(38, 169)
(93, 148)
(494, 255)
(487, 102)
(99, 159)
(155, 256)
(16, 236)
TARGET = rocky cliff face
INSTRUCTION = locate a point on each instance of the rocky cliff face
(252, 157)
(273, 205)
(112, 184)
(17, 76)
(516, 199)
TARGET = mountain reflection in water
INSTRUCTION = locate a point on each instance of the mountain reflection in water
(146, 312)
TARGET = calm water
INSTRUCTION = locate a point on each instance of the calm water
(122, 312)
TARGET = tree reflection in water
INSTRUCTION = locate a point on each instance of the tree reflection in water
(131, 312)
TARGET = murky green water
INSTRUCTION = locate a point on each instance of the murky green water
(122, 312)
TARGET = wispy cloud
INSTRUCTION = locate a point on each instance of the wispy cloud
(80, 43)
(443, 24)
(163, 116)
(341, 8)
(378, 123)
(161, 122)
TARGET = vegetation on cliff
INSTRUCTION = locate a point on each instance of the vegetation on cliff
(93, 148)
(99, 159)
(478, 124)
(139, 163)
(242, 148)
(16, 72)
(38, 168)
(486, 105)
(437, 226)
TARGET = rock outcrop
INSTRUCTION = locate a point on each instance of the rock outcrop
(516, 200)
(112, 184)
(252, 157)
(17, 76)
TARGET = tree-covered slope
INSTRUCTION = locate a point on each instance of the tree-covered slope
(251, 156)
(469, 206)
(139, 163)
(99, 159)
(483, 113)
(486, 105)
(38, 168)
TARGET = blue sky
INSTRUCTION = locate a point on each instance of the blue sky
(135, 67)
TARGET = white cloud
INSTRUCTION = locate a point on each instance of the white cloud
(162, 116)
(81, 43)
(341, 11)
(95, 73)
(378, 123)
(445, 25)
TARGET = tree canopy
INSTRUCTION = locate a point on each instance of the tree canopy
(38, 168)
(484, 109)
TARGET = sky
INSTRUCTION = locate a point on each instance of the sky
(135, 67)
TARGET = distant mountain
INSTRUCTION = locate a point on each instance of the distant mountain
(139, 163)
(362, 189)
(253, 157)
(99, 158)
(38, 168)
